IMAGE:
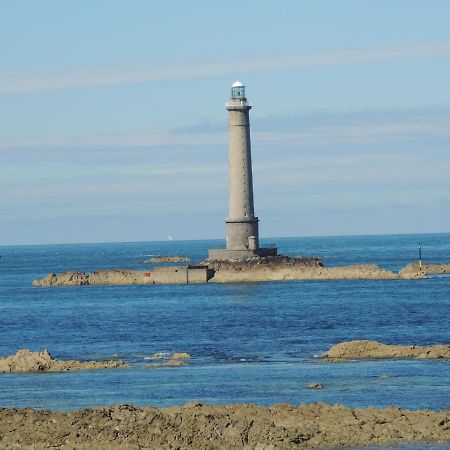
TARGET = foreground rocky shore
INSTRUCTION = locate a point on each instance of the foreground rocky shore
(202, 427)
(256, 269)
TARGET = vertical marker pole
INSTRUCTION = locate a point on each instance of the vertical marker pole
(420, 256)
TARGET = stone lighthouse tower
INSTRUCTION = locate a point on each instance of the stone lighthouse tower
(241, 224)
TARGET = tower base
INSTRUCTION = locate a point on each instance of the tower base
(222, 254)
(242, 233)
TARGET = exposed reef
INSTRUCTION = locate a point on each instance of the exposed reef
(102, 277)
(176, 355)
(286, 268)
(414, 270)
(203, 427)
(272, 268)
(28, 361)
(169, 363)
(373, 349)
(160, 275)
(169, 359)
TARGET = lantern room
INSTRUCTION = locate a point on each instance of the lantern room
(238, 90)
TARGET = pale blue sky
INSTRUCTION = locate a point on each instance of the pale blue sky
(113, 127)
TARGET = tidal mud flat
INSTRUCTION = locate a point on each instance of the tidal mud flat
(276, 268)
(201, 426)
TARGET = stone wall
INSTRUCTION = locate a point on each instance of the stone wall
(179, 275)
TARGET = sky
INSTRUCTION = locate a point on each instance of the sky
(113, 126)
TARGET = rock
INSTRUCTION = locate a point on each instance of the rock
(175, 363)
(101, 277)
(437, 269)
(170, 363)
(64, 279)
(174, 359)
(271, 268)
(258, 263)
(28, 361)
(414, 270)
(201, 426)
(181, 355)
(162, 355)
(280, 267)
(374, 349)
(316, 386)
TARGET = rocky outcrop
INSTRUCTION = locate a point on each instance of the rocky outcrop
(169, 359)
(273, 262)
(275, 268)
(374, 349)
(63, 279)
(176, 355)
(316, 386)
(101, 277)
(27, 361)
(414, 270)
(166, 259)
(181, 355)
(169, 363)
(271, 268)
(201, 427)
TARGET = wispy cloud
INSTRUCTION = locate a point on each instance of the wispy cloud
(19, 82)
(314, 128)
(114, 140)
(286, 122)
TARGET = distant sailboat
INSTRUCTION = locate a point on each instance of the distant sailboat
(170, 238)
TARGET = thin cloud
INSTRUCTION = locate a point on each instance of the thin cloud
(366, 126)
(114, 140)
(319, 118)
(20, 82)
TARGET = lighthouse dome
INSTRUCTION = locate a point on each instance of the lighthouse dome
(238, 90)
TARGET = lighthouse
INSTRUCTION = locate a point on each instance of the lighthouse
(242, 236)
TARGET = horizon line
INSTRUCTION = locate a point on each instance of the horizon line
(223, 239)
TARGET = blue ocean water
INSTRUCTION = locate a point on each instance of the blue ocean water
(250, 342)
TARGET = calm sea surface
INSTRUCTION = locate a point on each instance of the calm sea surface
(250, 342)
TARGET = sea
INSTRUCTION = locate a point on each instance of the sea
(250, 342)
